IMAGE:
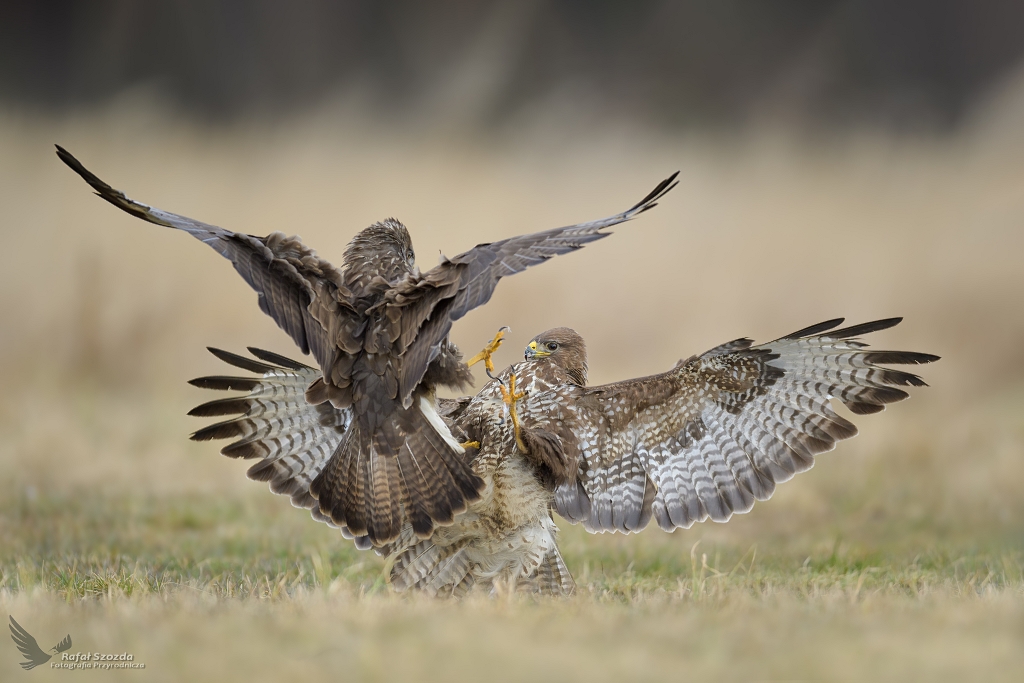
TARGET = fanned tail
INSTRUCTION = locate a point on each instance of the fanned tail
(411, 470)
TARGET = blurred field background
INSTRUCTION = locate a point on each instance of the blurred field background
(856, 159)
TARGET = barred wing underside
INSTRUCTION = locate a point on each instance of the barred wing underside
(720, 430)
(273, 422)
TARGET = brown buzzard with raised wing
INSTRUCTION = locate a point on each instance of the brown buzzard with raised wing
(378, 329)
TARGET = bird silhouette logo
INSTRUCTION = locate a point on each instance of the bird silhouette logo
(27, 645)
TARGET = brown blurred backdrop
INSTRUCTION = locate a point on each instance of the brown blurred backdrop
(863, 159)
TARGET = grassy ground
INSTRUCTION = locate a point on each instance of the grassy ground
(899, 556)
(241, 587)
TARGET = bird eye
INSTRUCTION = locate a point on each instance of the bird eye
(552, 346)
(409, 256)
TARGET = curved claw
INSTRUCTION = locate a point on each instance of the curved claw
(488, 351)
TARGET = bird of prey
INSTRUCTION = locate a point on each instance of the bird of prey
(378, 329)
(27, 645)
(704, 440)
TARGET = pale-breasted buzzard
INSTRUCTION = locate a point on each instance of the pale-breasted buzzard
(703, 440)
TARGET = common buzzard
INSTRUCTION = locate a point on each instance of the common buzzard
(703, 440)
(378, 329)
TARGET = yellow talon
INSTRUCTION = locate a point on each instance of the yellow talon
(510, 396)
(488, 350)
(470, 444)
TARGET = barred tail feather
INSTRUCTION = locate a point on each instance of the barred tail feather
(410, 470)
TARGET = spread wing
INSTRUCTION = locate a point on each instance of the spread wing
(421, 311)
(28, 646)
(720, 430)
(273, 423)
(299, 290)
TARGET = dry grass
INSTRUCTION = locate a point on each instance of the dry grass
(899, 556)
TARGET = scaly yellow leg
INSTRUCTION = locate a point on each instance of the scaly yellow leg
(488, 350)
(470, 444)
(510, 396)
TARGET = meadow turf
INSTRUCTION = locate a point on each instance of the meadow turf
(845, 579)
(245, 587)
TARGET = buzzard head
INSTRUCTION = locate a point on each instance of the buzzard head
(563, 347)
(383, 250)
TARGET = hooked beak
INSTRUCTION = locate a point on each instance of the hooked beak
(534, 351)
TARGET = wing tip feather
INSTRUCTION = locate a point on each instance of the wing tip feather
(650, 201)
(224, 383)
(865, 328)
(241, 361)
